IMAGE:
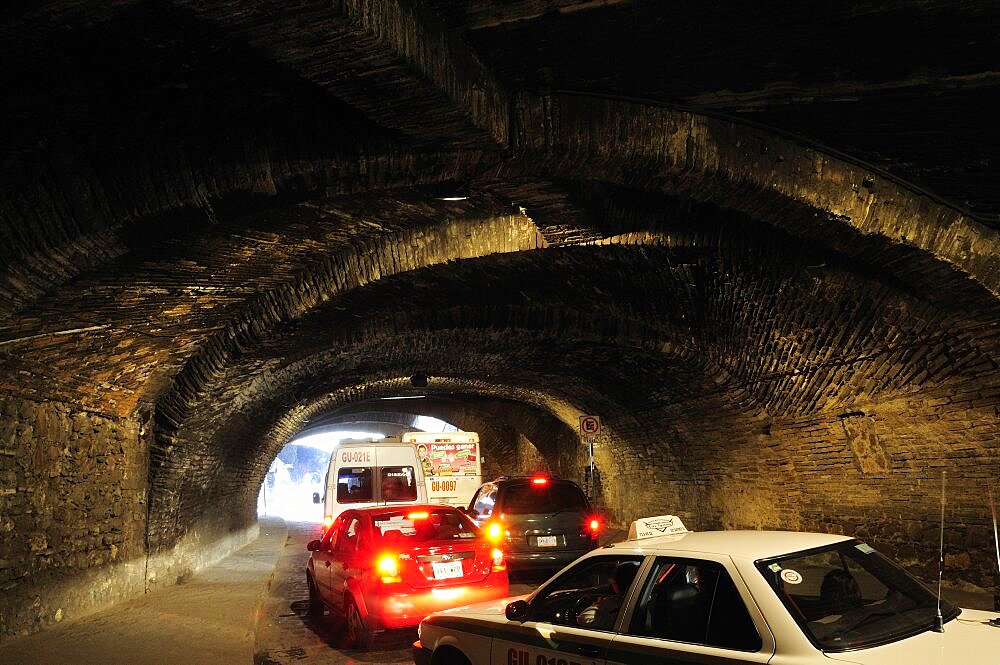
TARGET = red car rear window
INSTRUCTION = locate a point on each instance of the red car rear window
(410, 526)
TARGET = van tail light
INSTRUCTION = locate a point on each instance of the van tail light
(594, 525)
(499, 565)
(495, 531)
(388, 569)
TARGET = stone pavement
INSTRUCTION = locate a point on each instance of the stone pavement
(210, 619)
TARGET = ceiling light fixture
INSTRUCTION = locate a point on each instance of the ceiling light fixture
(450, 190)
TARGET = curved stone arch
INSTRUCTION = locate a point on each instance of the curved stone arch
(608, 446)
(353, 267)
(569, 417)
(759, 171)
(231, 504)
(497, 441)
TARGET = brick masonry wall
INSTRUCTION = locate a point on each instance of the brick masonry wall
(72, 502)
(73, 518)
(873, 473)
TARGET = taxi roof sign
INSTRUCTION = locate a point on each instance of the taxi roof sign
(648, 527)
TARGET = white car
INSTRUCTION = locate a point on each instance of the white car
(773, 597)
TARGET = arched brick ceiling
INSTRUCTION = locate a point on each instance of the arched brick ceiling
(752, 321)
(222, 218)
(909, 87)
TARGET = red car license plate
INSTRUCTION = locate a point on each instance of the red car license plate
(447, 569)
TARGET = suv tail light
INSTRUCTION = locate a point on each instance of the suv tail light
(594, 525)
(495, 531)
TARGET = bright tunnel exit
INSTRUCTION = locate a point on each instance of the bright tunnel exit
(297, 472)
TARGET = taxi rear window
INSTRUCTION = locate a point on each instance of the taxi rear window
(847, 596)
(554, 496)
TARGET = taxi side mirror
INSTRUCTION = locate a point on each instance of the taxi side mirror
(313, 546)
(517, 611)
(316, 498)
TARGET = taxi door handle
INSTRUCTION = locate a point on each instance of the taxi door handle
(587, 650)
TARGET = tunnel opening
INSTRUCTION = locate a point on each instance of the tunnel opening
(296, 474)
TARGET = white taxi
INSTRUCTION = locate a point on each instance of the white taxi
(668, 595)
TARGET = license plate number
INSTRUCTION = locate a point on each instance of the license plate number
(447, 569)
(548, 541)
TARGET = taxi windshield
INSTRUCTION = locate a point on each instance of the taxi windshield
(417, 526)
(848, 596)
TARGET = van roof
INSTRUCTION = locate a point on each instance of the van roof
(348, 443)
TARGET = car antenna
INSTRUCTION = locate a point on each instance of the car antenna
(996, 541)
(939, 620)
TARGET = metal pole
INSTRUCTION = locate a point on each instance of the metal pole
(939, 620)
(996, 543)
(593, 481)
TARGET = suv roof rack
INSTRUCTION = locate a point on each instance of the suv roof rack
(527, 477)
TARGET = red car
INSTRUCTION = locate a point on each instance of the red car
(390, 566)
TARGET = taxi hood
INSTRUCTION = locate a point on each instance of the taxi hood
(968, 640)
(487, 608)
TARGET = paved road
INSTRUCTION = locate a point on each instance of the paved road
(287, 635)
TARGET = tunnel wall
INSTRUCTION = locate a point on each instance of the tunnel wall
(73, 491)
(873, 472)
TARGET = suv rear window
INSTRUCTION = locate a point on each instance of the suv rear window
(553, 496)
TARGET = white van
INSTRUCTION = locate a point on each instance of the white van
(452, 465)
(364, 473)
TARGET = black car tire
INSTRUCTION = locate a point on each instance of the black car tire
(315, 602)
(359, 636)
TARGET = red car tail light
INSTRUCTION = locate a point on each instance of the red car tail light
(498, 562)
(595, 526)
(540, 480)
(418, 516)
(328, 521)
(388, 569)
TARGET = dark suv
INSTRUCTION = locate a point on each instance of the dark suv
(541, 522)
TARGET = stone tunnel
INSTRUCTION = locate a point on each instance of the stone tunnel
(763, 247)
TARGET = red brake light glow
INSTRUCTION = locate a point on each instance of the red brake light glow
(494, 531)
(388, 569)
(418, 516)
(539, 480)
(595, 525)
(498, 562)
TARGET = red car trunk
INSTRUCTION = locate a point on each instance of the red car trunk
(446, 563)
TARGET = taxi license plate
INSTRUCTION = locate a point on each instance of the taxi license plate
(446, 570)
(548, 541)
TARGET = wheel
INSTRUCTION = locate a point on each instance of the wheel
(359, 636)
(449, 656)
(315, 602)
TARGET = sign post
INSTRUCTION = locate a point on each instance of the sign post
(590, 427)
